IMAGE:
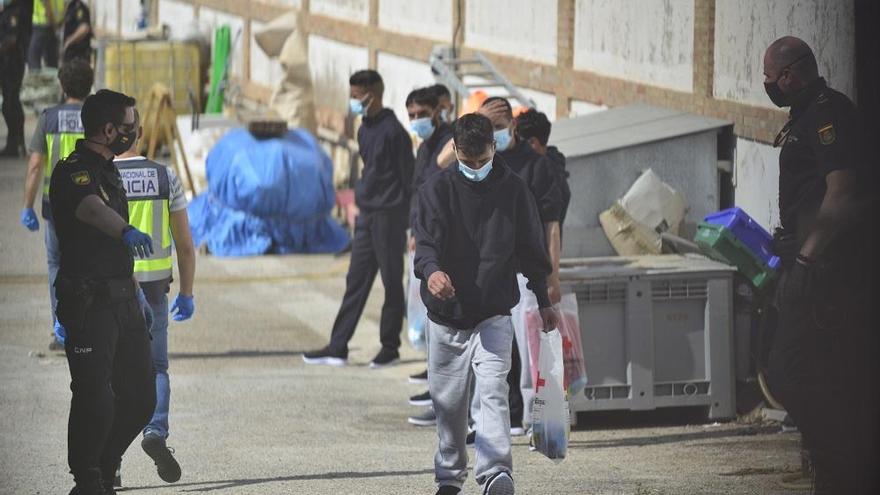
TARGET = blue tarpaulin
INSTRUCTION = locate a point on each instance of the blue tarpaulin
(267, 196)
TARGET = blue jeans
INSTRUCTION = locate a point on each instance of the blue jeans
(159, 423)
(53, 260)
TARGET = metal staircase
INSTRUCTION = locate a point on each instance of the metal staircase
(451, 72)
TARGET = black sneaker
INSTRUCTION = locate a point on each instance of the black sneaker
(325, 356)
(500, 484)
(386, 357)
(423, 399)
(428, 418)
(448, 490)
(471, 438)
(166, 465)
(419, 378)
(92, 487)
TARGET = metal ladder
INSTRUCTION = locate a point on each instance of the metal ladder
(451, 72)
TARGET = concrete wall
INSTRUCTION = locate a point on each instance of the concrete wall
(428, 19)
(331, 63)
(179, 16)
(522, 28)
(756, 178)
(349, 10)
(105, 15)
(402, 75)
(744, 29)
(650, 41)
(131, 10)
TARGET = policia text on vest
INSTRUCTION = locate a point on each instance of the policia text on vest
(147, 186)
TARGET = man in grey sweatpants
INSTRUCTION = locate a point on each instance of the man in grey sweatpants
(477, 224)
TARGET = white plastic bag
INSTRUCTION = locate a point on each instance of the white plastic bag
(416, 313)
(550, 413)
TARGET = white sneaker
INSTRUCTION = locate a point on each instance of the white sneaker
(500, 484)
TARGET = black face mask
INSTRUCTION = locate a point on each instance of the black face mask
(775, 93)
(122, 142)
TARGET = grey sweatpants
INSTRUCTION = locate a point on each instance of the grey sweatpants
(454, 358)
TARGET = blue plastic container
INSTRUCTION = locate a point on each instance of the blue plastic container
(748, 232)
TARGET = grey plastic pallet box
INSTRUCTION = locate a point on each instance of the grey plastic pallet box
(657, 331)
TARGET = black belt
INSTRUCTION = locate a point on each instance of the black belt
(98, 291)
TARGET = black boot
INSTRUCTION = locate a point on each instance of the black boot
(88, 483)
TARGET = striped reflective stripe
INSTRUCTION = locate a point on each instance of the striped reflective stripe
(152, 217)
(66, 143)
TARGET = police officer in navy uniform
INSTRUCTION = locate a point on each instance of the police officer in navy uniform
(816, 296)
(15, 18)
(99, 303)
(77, 32)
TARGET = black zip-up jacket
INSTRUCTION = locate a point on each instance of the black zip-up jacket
(426, 162)
(480, 234)
(537, 171)
(386, 150)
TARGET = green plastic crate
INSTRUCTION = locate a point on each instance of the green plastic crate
(720, 244)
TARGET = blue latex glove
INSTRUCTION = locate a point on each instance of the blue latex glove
(145, 307)
(60, 332)
(185, 307)
(29, 219)
(139, 244)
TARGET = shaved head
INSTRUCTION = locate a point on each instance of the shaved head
(793, 54)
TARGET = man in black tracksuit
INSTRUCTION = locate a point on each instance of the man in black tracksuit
(423, 108)
(537, 172)
(382, 195)
(476, 226)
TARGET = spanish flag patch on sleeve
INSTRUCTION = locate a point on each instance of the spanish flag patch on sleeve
(827, 134)
(81, 178)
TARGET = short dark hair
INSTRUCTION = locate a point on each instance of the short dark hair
(473, 133)
(498, 98)
(76, 77)
(440, 91)
(422, 96)
(533, 124)
(102, 108)
(367, 79)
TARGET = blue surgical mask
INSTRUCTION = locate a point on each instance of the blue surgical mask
(444, 115)
(475, 175)
(356, 106)
(423, 127)
(502, 139)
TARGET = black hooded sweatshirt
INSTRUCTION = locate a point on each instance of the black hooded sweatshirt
(386, 150)
(537, 171)
(426, 161)
(480, 234)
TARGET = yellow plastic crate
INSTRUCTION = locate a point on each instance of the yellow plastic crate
(132, 67)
